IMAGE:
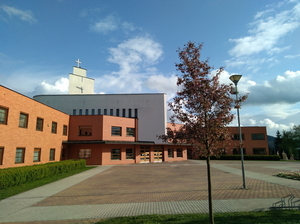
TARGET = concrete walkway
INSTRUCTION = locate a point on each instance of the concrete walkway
(160, 188)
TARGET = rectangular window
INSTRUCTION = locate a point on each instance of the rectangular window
(105, 111)
(85, 130)
(1, 155)
(237, 137)
(86, 111)
(118, 112)
(238, 151)
(129, 154)
(179, 152)
(93, 111)
(99, 111)
(117, 131)
(170, 153)
(65, 129)
(136, 113)
(258, 136)
(115, 154)
(130, 132)
(20, 153)
(74, 111)
(3, 115)
(111, 112)
(37, 155)
(52, 155)
(129, 112)
(23, 120)
(259, 151)
(54, 127)
(39, 124)
(80, 111)
(85, 153)
(123, 113)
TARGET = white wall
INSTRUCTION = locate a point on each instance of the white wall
(152, 116)
(79, 83)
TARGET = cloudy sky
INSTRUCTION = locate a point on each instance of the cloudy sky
(130, 47)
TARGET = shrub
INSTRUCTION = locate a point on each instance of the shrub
(18, 175)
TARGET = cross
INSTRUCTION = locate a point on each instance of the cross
(80, 88)
(78, 63)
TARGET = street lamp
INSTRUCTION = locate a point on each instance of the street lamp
(235, 79)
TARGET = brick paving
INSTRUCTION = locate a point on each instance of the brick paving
(164, 188)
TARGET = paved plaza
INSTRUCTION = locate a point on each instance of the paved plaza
(154, 188)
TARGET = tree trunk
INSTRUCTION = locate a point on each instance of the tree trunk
(211, 214)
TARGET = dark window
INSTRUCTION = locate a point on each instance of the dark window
(258, 136)
(93, 111)
(85, 153)
(105, 111)
(65, 130)
(238, 151)
(80, 111)
(170, 153)
(99, 111)
(123, 113)
(85, 130)
(23, 121)
(52, 155)
(111, 112)
(115, 154)
(39, 124)
(20, 153)
(129, 154)
(179, 152)
(130, 132)
(259, 151)
(74, 111)
(1, 155)
(86, 111)
(129, 112)
(54, 127)
(136, 113)
(116, 131)
(237, 137)
(3, 115)
(37, 155)
(118, 112)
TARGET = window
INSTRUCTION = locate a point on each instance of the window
(74, 111)
(105, 111)
(80, 111)
(39, 124)
(123, 113)
(65, 129)
(136, 113)
(54, 127)
(115, 154)
(129, 154)
(86, 111)
(111, 113)
(93, 111)
(1, 155)
(52, 155)
(238, 151)
(118, 112)
(259, 136)
(37, 155)
(117, 131)
(85, 153)
(259, 151)
(85, 130)
(20, 152)
(130, 132)
(23, 121)
(179, 152)
(170, 153)
(99, 111)
(3, 115)
(129, 112)
(237, 137)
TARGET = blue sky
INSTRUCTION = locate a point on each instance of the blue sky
(130, 46)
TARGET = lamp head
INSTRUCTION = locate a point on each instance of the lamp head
(235, 78)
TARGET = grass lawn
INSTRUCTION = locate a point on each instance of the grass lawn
(276, 216)
(8, 192)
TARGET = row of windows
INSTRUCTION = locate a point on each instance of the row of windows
(256, 136)
(111, 112)
(24, 118)
(255, 151)
(20, 155)
(87, 130)
(171, 153)
(115, 154)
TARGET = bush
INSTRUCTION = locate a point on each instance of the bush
(246, 157)
(18, 175)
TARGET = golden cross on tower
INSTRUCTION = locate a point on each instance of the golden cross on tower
(78, 63)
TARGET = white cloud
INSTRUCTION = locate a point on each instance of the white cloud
(60, 86)
(22, 14)
(110, 23)
(292, 56)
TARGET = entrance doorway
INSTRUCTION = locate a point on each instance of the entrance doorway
(145, 154)
(158, 155)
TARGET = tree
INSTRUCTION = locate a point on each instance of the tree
(276, 143)
(203, 107)
(290, 142)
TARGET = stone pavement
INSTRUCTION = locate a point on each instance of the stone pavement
(155, 188)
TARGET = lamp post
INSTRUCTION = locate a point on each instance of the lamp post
(235, 79)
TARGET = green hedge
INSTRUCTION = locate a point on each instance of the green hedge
(18, 175)
(246, 157)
